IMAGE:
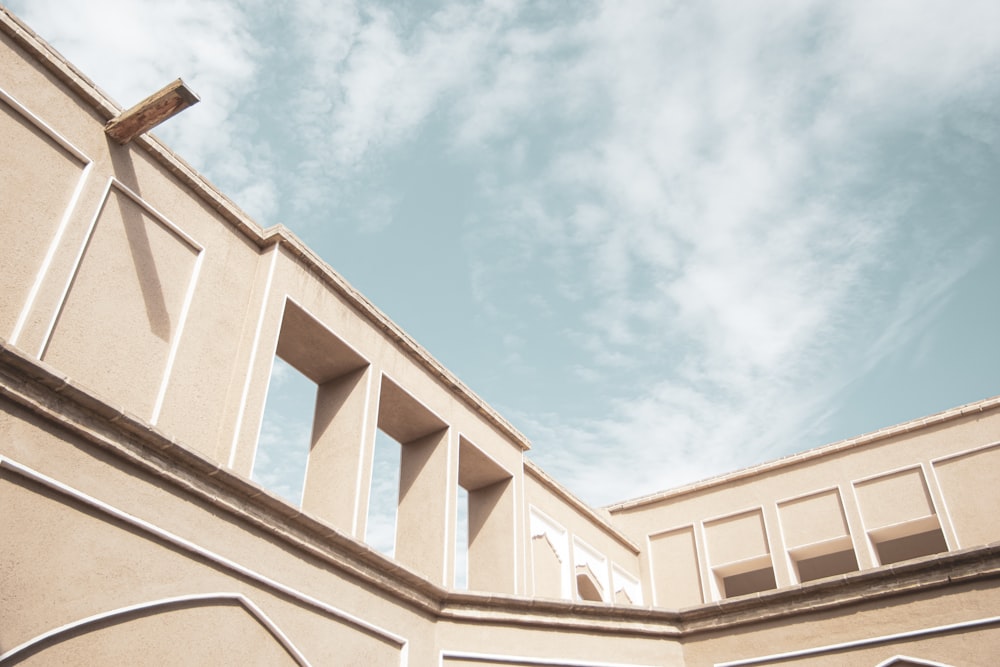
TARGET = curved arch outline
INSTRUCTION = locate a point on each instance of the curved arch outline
(83, 623)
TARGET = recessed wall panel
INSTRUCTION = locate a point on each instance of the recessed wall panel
(971, 491)
(894, 498)
(815, 518)
(124, 305)
(34, 196)
(675, 569)
(736, 538)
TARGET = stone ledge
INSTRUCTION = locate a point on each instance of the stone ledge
(52, 397)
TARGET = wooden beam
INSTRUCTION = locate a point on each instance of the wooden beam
(144, 116)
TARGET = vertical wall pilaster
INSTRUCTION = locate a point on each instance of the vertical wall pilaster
(422, 518)
(335, 456)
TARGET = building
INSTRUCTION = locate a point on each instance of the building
(140, 313)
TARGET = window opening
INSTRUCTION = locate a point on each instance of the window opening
(380, 532)
(285, 432)
(827, 565)
(587, 585)
(590, 572)
(745, 583)
(462, 539)
(489, 502)
(418, 486)
(911, 546)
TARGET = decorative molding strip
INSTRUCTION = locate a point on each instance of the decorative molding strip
(202, 552)
(499, 659)
(977, 407)
(79, 413)
(88, 164)
(907, 660)
(123, 612)
(172, 228)
(859, 643)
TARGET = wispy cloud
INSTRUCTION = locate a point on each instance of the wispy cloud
(712, 212)
(704, 203)
(134, 48)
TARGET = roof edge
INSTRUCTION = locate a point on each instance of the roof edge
(984, 405)
(84, 88)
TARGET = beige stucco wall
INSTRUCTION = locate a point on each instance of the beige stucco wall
(851, 496)
(954, 629)
(140, 315)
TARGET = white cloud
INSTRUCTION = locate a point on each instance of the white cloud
(716, 213)
(685, 175)
(134, 48)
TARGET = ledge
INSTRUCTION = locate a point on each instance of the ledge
(52, 397)
(976, 407)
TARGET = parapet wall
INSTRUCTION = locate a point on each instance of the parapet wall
(141, 313)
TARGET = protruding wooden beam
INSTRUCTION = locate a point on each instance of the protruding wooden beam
(144, 116)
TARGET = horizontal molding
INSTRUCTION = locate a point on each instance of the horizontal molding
(912, 426)
(862, 643)
(502, 659)
(55, 399)
(192, 548)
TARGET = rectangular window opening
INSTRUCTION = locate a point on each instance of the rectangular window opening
(487, 490)
(826, 565)
(380, 533)
(745, 583)
(285, 432)
(911, 546)
(462, 540)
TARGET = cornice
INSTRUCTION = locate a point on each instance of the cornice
(66, 405)
(874, 437)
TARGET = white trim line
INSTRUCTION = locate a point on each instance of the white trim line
(861, 642)
(253, 359)
(176, 342)
(74, 199)
(515, 529)
(945, 525)
(709, 585)
(452, 442)
(76, 267)
(868, 479)
(651, 575)
(171, 228)
(808, 494)
(732, 515)
(254, 610)
(965, 452)
(527, 660)
(935, 464)
(356, 509)
(916, 661)
(872, 552)
(186, 545)
(366, 459)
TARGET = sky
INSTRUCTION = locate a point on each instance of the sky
(665, 240)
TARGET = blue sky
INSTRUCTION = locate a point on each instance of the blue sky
(664, 239)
